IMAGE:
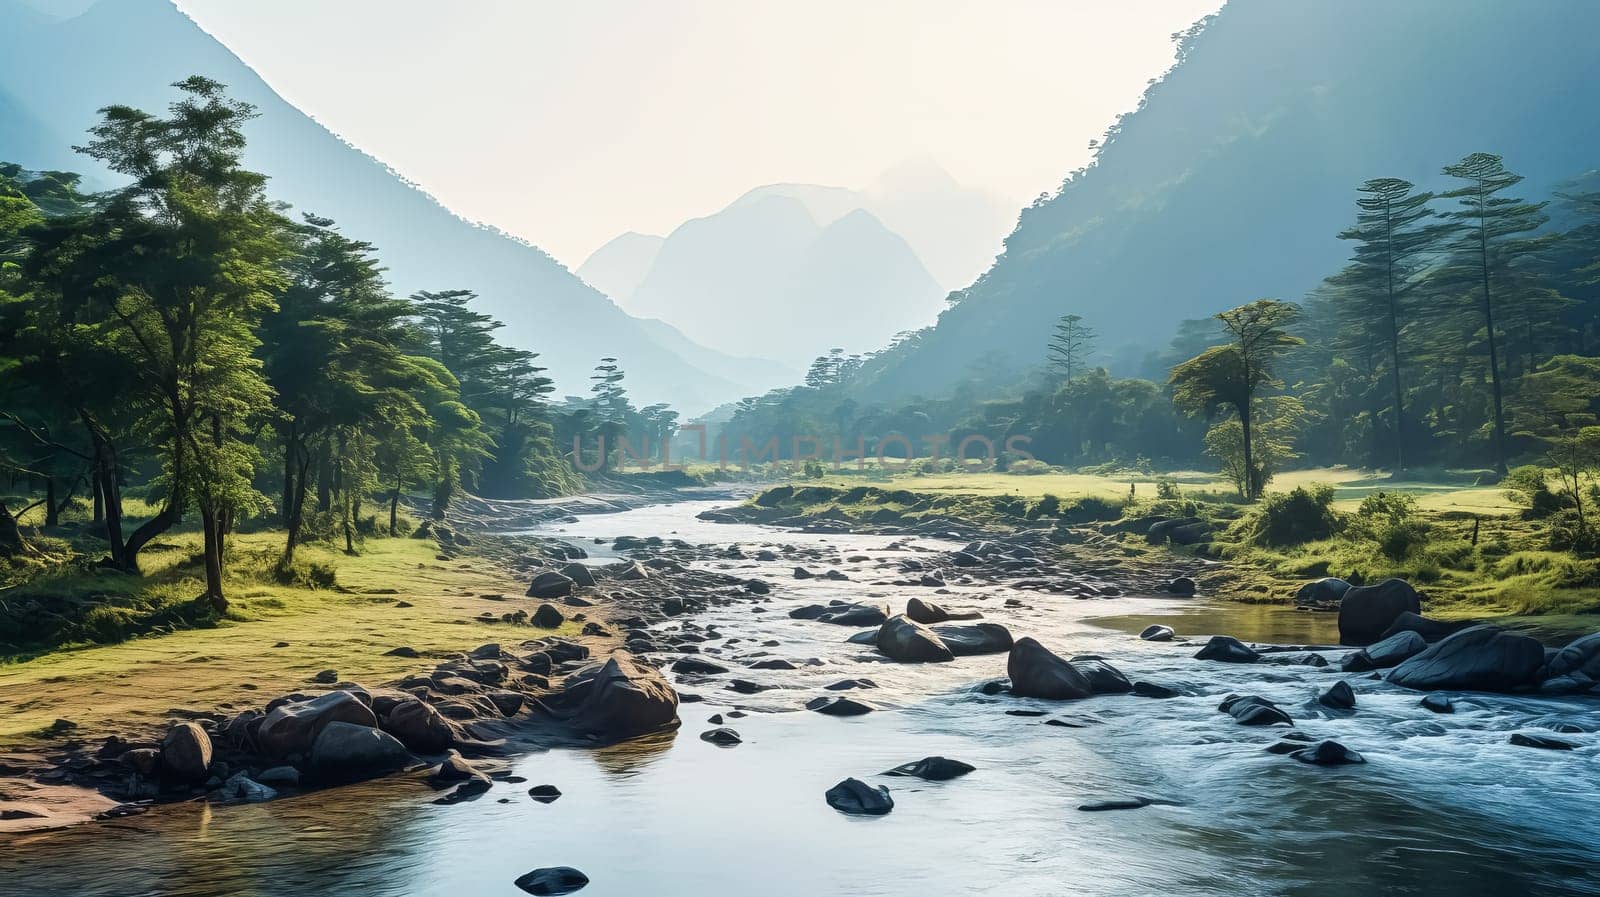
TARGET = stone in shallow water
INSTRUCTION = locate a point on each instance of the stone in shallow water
(1152, 690)
(1226, 649)
(721, 737)
(1254, 710)
(933, 769)
(1439, 704)
(1328, 753)
(1124, 803)
(1157, 633)
(1541, 741)
(837, 706)
(552, 880)
(544, 794)
(857, 798)
(1340, 696)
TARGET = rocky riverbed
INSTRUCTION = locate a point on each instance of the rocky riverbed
(808, 666)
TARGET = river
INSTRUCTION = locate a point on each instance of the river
(1444, 804)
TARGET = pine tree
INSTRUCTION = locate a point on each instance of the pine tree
(1071, 346)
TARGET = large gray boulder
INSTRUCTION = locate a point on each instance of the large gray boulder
(348, 752)
(903, 639)
(1430, 630)
(294, 727)
(1227, 649)
(1104, 679)
(1037, 673)
(580, 574)
(857, 798)
(186, 753)
(974, 638)
(854, 615)
(614, 700)
(1482, 658)
(550, 584)
(1392, 651)
(1575, 668)
(1326, 591)
(1366, 612)
(419, 726)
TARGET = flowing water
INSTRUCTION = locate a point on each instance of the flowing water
(1443, 806)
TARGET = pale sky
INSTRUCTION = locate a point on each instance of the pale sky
(568, 123)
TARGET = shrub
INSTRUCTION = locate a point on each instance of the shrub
(1092, 508)
(1048, 506)
(1303, 514)
(1167, 489)
(1397, 539)
(1529, 486)
(1028, 467)
(311, 575)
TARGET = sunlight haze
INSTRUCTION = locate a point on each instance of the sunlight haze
(568, 124)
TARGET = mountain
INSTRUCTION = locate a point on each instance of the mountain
(955, 230)
(618, 267)
(55, 73)
(1232, 179)
(764, 277)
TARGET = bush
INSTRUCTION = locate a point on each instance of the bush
(1397, 539)
(1028, 467)
(1304, 514)
(1529, 486)
(311, 575)
(1167, 489)
(1048, 506)
(1091, 509)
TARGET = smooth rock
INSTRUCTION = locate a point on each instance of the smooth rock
(857, 798)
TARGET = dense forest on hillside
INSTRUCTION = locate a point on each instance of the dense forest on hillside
(186, 341)
(1463, 333)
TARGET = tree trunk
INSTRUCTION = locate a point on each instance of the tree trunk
(1494, 353)
(290, 443)
(1249, 453)
(296, 513)
(211, 524)
(394, 509)
(11, 541)
(325, 477)
(52, 516)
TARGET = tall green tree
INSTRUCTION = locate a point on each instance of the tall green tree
(1232, 376)
(177, 270)
(1393, 239)
(1071, 346)
(1492, 235)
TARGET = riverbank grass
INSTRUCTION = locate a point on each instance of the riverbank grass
(274, 638)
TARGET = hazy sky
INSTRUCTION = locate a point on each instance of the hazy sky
(568, 123)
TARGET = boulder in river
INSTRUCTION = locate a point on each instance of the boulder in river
(550, 584)
(1382, 655)
(932, 769)
(1328, 753)
(614, 700)
(1367, 612)
(722, 736)
(1339, 696)
(347, 752)
(1037, 673)
(1156, 632)
(1438, 703)
(1104, 679)
(1482, 658)
(1521, 739)
(1254, 710)
(419, 726)
(833, 705)
(292, 728)
(1325, 592)
(696, 666)
(857, 798)
(1430, 630)
(927, 612)
(552, 880)
(903, 639)
(1574, 668)
(1183, 586)
(975, 638)
(1227, 649)
(186, 753)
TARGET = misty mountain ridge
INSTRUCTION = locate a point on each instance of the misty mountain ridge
(56, 73)
(1233, 178)
(768, 265)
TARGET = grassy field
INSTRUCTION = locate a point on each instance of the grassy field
(273, 639)
(1350, 486)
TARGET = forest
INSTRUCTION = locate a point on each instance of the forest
(185, 348)
(1461, 335)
